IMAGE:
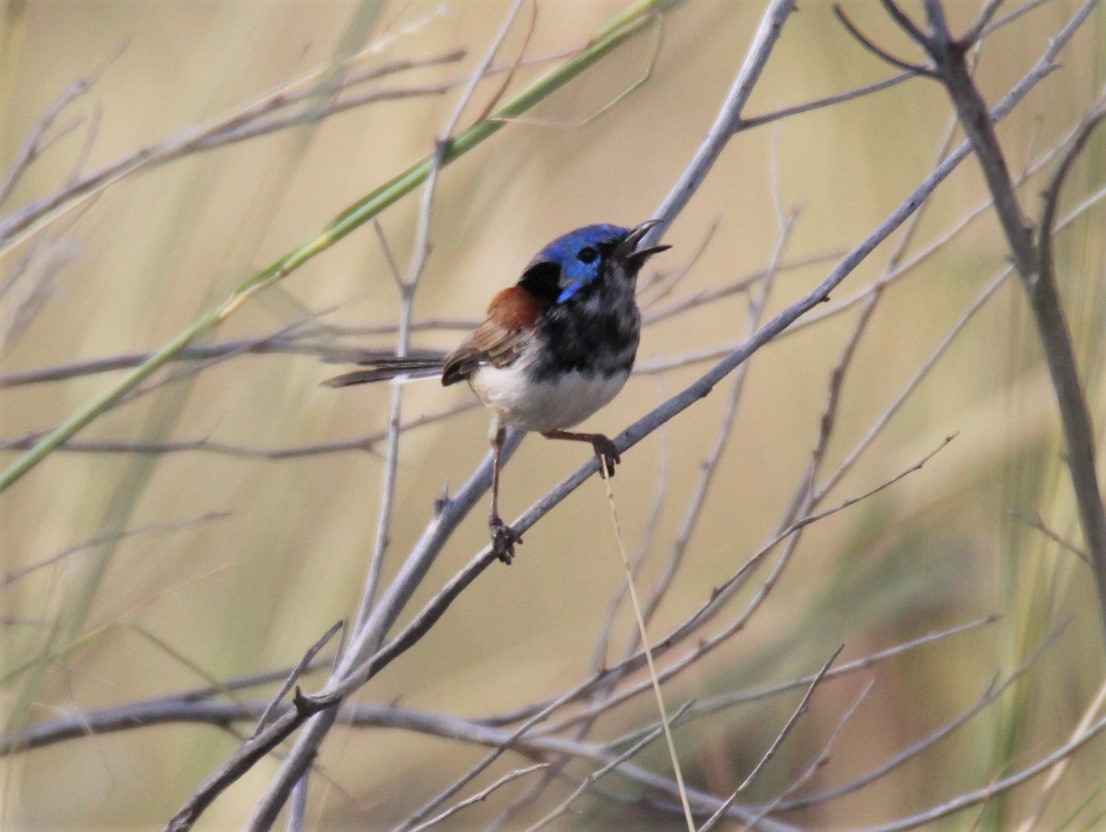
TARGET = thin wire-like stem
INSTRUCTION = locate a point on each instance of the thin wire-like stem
(990, 694)
(440, 799)
(481, 795)
(721, 593)
(636, 606)
(598, 774)
(603, 640)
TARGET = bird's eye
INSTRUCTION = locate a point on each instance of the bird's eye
(587, 255)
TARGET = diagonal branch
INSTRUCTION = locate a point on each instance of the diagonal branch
(1033, 260)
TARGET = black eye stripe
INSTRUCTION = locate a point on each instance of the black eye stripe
(587, 255)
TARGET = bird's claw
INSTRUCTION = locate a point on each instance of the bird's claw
(608, 455)
(504, 539)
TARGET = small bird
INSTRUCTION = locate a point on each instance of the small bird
(555, 347)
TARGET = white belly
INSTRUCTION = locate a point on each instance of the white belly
(542, 406)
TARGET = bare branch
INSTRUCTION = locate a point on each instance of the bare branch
(482, 795)
(296, 673)
(76, 548)
(38, 141)
(1039, 524)
(979, 796)
(906, 66)
(595, 776)
(801, 709)
(1032, 259)
(728, 120)
(989, 695)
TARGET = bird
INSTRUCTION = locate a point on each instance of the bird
(554, 348)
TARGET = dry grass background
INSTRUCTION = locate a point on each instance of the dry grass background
(252, 590)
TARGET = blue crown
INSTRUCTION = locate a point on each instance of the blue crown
(565, 250)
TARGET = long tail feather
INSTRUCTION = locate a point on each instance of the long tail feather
(389, 368)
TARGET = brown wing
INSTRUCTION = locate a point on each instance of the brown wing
(512, 315)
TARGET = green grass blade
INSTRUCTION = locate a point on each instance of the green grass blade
(621, 29)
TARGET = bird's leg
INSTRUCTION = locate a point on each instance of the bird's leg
(504, 537)
(604, 448)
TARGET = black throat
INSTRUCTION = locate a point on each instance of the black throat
(595, 332)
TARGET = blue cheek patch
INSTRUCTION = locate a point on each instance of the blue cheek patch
(579, 275)
(570, 291)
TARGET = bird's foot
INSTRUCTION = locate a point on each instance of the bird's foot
(608, 454)
(504, 539)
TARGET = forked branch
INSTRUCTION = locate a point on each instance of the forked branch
(1032, 254)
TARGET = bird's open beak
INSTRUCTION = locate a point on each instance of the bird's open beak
(628, 250)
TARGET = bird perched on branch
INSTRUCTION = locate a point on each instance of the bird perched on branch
(556, 347)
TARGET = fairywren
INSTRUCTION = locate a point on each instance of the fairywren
(556, 347)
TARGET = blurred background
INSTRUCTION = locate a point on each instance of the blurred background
(237, 556)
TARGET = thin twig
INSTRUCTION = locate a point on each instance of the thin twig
(831, 481)
(648, 650)
(740, 697)
(366, 442)
(38, 141)
(823, 755)
(439, 799)
(990, 694)
(481, 795)
(598, 774)
(1039, 524)
(979, 796)
(113, 537)
(295, 674)
(1032, 258)
(770, 752)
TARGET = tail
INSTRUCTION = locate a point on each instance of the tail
(387, 367)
